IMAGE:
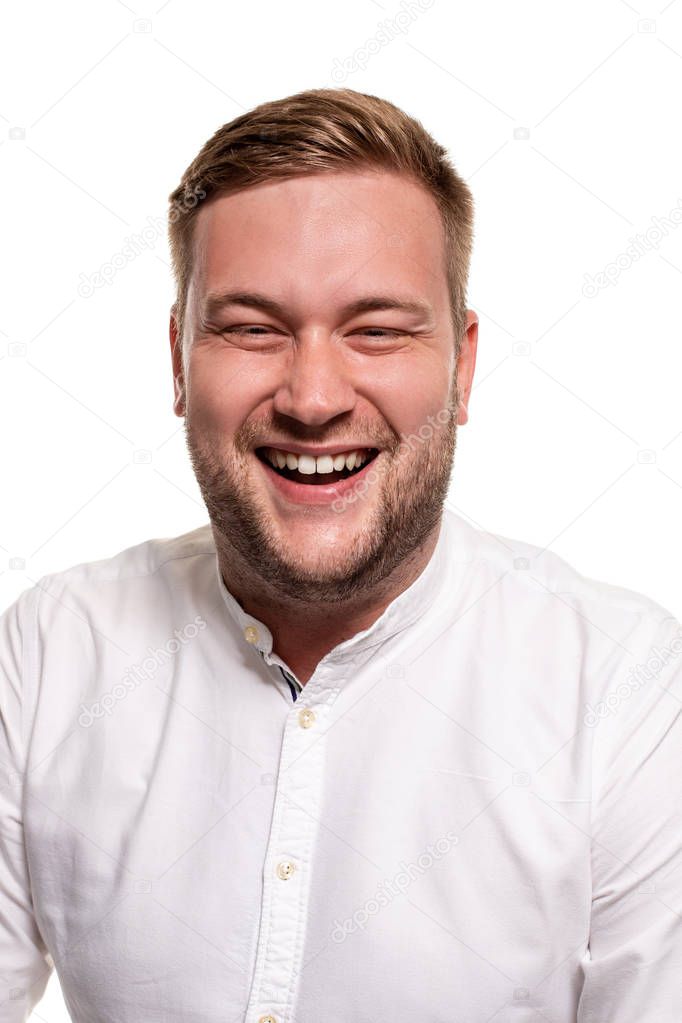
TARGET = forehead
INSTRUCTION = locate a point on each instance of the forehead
(323, 237)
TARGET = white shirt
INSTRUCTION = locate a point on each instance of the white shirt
(471, 812)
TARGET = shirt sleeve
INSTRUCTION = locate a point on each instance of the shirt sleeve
(25, 964)
(634, 970)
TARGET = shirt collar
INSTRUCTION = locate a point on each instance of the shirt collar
(405, 609)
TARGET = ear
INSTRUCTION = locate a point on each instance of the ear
(466, 363)
(176, 360)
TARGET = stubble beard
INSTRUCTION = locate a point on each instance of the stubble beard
(411, 494)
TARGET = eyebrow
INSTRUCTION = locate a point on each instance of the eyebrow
(216, 303)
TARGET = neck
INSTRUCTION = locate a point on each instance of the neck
(304, 633)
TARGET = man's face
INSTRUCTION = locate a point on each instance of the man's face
(309, 371)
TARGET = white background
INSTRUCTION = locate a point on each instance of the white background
(563, 118)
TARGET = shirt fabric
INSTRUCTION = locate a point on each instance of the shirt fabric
(472, 810)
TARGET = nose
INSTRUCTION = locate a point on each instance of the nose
(316, 383)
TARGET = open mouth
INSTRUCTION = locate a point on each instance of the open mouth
(273, 458)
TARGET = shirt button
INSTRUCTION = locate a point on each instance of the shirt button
(251, 634)
(267, 1019)
(285, 869)
(306, 717)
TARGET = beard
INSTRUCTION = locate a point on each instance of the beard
(412, 490)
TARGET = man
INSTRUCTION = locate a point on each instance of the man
(337, 755)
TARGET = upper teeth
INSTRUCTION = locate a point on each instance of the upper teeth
(308, 464)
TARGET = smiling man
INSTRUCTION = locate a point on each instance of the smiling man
(336, 754)
(318, 333)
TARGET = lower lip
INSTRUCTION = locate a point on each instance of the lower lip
(315, 493)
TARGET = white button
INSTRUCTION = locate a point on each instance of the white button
(306, 717)
(285, 869)
(251, 634)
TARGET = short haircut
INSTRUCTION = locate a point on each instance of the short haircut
(313, 132)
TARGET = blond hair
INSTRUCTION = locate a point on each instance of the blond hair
(312, 132)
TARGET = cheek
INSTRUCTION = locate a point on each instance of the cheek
(221, 394)
(408, 406)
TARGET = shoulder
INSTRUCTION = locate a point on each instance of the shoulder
(535, 575)
(142, 559)
(152, 565)
(546, 615)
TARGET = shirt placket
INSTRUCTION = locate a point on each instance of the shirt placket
(293, 683)
(287, 870)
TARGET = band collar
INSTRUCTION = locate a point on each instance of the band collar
(410, 605)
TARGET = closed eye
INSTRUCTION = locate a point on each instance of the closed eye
(245, 330)
(379, 331)
(259, 331)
